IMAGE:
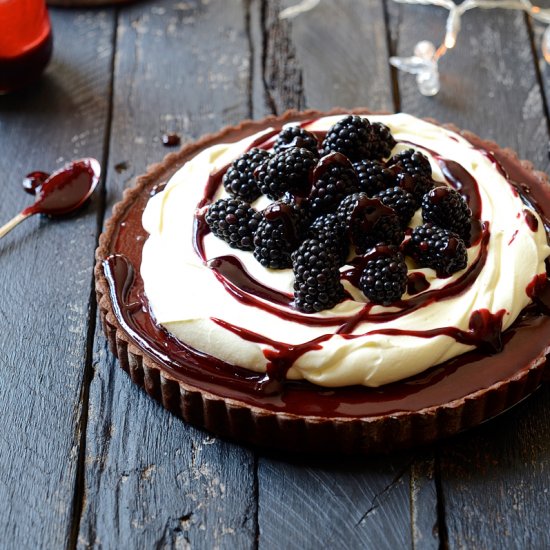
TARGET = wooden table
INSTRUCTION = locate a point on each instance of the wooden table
(86, 458)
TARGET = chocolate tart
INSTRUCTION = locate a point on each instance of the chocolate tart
(442, 401)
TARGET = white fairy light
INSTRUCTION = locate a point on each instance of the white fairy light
(425, 66)
(424, 62)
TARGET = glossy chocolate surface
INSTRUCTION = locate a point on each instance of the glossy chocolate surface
(442, 384)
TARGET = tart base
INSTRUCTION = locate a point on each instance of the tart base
(265, 426)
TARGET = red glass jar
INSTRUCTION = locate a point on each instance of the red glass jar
(25, 42)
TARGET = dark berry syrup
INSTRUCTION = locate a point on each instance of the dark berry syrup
(65, 190)
(59, 194)
(33, 181)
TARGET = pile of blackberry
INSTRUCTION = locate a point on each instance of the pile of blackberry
(338, 196)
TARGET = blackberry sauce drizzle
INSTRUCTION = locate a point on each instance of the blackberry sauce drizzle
(131, 310)
(283, 212)
(524, 192)
(484, 329)
(416, 283)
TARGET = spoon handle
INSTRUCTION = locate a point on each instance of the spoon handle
(12, 223)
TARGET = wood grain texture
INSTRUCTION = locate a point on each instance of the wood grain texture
(425, 502)
(493, 480)
(496, 480)
(154, 482)
(151, 480)
(306, 62)
(342, 503)
(182, 67)
(46, 281)
(85, 3)
(488, 84)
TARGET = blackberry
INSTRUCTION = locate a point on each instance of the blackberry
(413, 172)
(317, 283)
(445, 207)
(347, 205)
(417, 186)
(328, 229)
(413, 162)
(294, 136)
(399, 200)
(302, 209)
(384, 278)
(239, 179)
(350, 136)
(333, 179)
(373, 176)
(279, 233)
(438, 248)
(368, 222)
(234, 221)
(382, 141)
(286, 171)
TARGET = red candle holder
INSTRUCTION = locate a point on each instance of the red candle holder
(25, 42)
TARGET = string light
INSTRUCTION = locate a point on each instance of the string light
(424, 61)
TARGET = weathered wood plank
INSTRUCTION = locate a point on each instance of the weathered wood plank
(151, 480)
(46, 280)
(543, 66)
(307, 62)
(154, 482)
(488, 82)
(493, 479)
(344, 503)
(425, 520)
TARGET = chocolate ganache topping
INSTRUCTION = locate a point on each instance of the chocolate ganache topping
(487, 330)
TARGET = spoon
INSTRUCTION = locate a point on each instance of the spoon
(63, 192)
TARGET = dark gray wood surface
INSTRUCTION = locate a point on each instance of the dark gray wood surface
(47, 308)
(86, 458)
(492, 479)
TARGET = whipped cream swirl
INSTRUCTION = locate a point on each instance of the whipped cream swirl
(190, 301)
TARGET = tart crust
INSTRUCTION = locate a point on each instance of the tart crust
(251, 424)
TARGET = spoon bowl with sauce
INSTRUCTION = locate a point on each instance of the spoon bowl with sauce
(61, 193)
